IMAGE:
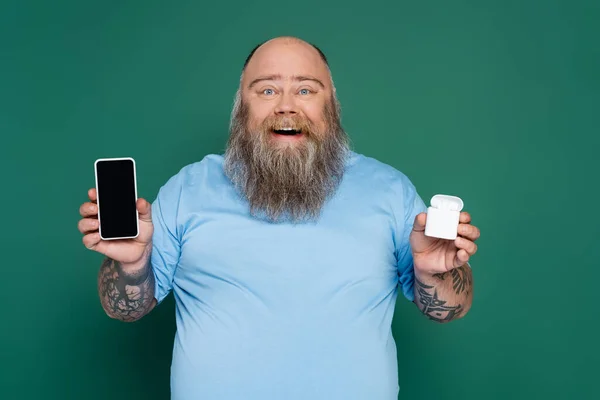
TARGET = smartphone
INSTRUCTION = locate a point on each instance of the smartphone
(116, 191)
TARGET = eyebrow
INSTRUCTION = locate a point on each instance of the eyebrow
(296, 78)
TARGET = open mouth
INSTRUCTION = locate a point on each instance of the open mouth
(287, 131)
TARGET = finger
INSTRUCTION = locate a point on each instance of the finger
(466, 244)
(464, 217)
(469, 231)
(92, 195)
(91, 240)
(461, 258)
(144, 209)
(88, 209)
(419, 223)
(87, 225)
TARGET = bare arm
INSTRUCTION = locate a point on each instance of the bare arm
(445, 297)
(126, 291)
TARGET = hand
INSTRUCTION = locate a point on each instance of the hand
(434, 255)
(123, 250)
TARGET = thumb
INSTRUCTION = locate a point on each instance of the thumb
(144, 210)
(419, 224)
(418, 241)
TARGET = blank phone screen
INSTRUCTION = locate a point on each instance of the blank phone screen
(116, 197)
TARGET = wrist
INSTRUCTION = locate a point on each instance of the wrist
(423, 276)
(134, 275)
(136, 268)
(422, 271)
(428, 276)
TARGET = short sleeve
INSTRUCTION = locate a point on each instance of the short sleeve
(166, 246)
(413, 205)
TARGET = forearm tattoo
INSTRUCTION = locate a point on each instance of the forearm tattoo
(432, 306)
(438, 308)
(125, 297)
(461, 279)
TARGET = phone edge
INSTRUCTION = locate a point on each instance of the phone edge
(137, 216)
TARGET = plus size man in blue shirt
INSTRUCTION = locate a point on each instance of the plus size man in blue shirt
(286, 253)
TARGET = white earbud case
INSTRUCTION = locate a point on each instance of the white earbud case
(443, 216)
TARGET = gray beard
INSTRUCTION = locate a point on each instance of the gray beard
(286, 182)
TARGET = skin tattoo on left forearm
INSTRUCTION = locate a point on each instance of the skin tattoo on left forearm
(432, 306)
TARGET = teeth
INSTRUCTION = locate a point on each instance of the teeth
(287, 131)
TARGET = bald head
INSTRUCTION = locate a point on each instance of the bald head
(279, 54)
(290, 39)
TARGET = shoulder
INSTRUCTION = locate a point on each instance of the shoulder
(387, 186)
(210, 167)
(374, 174)
(208, 170)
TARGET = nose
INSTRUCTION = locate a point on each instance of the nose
(286, 105)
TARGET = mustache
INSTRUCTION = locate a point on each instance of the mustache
(297, 123)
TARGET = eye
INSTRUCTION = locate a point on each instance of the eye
(268, 92)
(305, 91)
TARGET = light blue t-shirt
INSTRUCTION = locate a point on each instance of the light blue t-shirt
(281, 311)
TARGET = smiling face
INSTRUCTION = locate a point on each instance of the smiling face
(287, 148)
(286, 85)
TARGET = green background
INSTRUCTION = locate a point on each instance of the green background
(496, 102)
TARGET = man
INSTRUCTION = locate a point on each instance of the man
(285, 255)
